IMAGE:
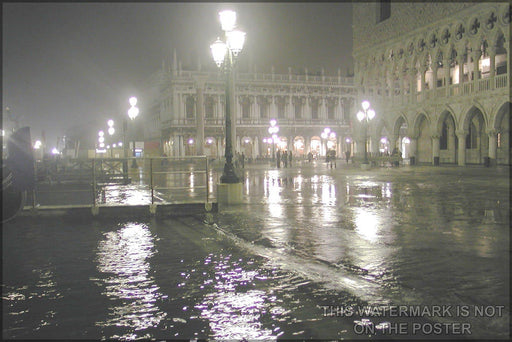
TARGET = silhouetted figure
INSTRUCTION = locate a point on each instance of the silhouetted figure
(242, 160)
(278, 159)
(310, 157)
(285, 158)
(347, 156)
(290, 158)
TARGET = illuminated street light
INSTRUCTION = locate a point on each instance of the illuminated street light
(273, 130)
(224, 54)
(365, 116)
(133, 112)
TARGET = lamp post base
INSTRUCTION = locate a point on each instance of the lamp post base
(365, 166)
(229, 193)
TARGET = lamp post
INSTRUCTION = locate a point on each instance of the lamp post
(111, 130)
(273, 130)
(325, 135)
(224, 55)
(132, 114)
(365, 116)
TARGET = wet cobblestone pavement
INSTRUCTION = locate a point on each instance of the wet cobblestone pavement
(409, 252)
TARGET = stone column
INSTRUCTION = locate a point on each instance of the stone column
(435, 150)
(422, 76)
(492, 59)
(493, 146)
(200, 116)
(413, 147)
(446, 67)
(255, 147)
(374, 146)
(181, 146)
(460, 62)
(434, 75)
(360, 147)
(392, 142)
(461, 135)
(412, 85)
(476, 57)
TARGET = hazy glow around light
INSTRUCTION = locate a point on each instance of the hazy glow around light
(365, 105)
(235, 40)
(371, 114)
(55, 151)
(360, 116)
(133, 101)
(111, 130)
(218, 49)
(110, 123)
(227, 20)
(133, 112)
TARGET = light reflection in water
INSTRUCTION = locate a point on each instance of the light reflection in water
(235, 308)
(123, 255)
(191, 181)
(367, 224)
(273, 188)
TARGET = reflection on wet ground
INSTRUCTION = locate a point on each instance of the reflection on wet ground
(309, 245)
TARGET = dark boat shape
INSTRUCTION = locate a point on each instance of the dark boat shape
(17, 173)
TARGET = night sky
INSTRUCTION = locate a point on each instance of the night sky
(75, 65)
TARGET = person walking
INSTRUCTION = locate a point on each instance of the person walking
(290, 158)
(278, 159)
(347, 156)
(242, 160)
(285, 158)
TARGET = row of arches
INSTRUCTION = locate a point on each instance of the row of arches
(466, 139)
(453, 54)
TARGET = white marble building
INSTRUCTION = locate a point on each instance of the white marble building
(184, 112)
(438, 76)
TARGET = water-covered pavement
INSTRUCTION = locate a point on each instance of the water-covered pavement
(314, 252)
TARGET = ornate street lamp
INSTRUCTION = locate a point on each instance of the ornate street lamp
(273, 130)
(133, 112)
(224, 54)
(365, 116)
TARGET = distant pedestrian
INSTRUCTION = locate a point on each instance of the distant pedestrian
(285, 158)
(242, 160)
(347, 156)
(290, 158)
(278, 159)
(310, 157)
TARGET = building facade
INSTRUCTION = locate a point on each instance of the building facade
(185, 112)
(437, 75)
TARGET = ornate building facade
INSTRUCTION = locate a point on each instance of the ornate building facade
(438, 76)
(184, 112)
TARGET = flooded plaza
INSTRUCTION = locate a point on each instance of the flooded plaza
(312, 253)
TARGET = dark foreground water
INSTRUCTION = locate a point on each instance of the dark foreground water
(313, 253)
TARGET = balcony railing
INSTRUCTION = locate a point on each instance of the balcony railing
(480, 86)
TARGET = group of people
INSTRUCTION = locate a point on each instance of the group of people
(285, 158)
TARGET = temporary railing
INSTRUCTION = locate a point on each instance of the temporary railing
(118, 181)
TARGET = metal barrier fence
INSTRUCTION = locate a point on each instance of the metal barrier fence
(118, 181)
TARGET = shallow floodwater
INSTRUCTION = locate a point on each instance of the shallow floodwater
(309, 248)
